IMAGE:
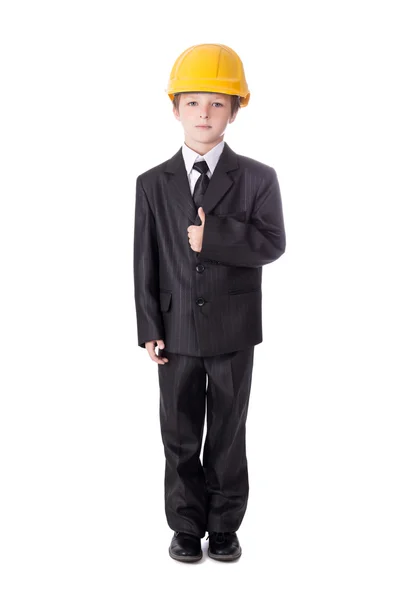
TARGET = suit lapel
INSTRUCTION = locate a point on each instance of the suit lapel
(220, 182)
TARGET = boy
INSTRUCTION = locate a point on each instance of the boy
(206, 221)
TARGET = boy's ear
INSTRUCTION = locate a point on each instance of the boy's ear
(233, 117)
(176, 113)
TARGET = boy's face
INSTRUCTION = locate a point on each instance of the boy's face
(204, 108)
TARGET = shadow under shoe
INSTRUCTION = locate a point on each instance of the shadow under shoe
(185, 547)
(223, 545)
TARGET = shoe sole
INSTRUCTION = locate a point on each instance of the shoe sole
(185, 558)
(225, 557)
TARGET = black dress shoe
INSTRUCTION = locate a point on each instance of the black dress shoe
(223, 546)
(185, 547)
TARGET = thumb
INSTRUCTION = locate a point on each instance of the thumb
(201, 214)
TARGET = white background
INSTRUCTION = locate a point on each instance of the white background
(83, 113)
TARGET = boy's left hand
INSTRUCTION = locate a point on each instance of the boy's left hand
(195, 232)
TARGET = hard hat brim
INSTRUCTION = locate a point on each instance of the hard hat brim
(244, 100)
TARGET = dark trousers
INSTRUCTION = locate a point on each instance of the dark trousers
(211, 496)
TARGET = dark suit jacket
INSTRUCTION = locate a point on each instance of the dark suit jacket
(209, 302)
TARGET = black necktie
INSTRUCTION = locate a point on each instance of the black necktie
(201, 183)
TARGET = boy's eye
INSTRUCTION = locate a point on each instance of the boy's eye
(194, 102)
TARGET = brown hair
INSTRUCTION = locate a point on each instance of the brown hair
(235, 102)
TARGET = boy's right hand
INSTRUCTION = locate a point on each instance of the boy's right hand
(151, 350)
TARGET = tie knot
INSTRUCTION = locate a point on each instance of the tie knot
(201, 166)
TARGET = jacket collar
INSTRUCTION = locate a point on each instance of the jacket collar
(221, 181)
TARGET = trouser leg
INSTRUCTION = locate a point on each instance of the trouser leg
(224, 456)
(182, 413)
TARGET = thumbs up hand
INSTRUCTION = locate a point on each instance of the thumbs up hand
(195, 232)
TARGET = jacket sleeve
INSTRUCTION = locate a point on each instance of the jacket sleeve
(145, 267)
(254, 244)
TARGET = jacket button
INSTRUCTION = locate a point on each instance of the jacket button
(200, 268)
(200, 301)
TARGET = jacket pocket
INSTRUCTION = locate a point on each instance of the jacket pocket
(165, 300)
(245, 291)
(239, 216)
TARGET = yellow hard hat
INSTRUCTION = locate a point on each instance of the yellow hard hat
(209, 68)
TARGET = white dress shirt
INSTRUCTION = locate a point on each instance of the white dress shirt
(190, 157)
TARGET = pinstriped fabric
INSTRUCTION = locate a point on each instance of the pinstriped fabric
(208, 496)
(149, 318)
(207, 303)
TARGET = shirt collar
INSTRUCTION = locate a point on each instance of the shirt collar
(211, 157)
